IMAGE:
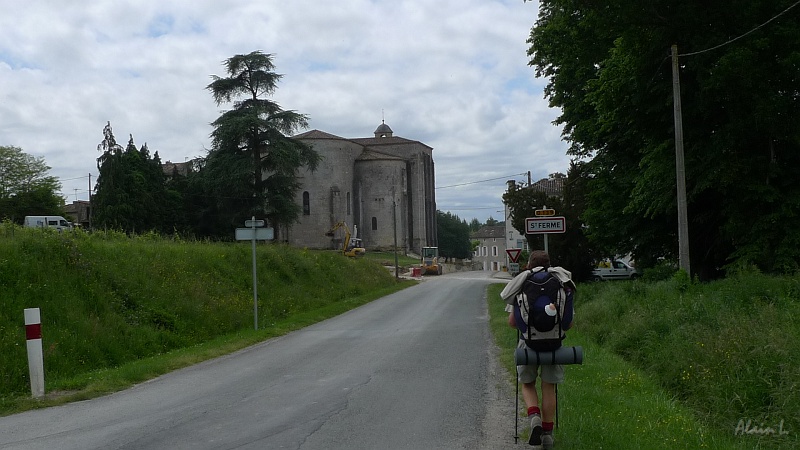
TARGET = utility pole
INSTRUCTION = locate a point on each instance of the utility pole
(680, 171)
(90, 200)
(394, 224)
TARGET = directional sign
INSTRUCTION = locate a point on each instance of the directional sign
(544, 212)
(540, 225)
(253, 223)
(513, 254)
(259, 234)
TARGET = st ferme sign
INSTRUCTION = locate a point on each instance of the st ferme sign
(542, 225)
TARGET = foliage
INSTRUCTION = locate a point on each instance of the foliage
(492, 222)
(725, 348)
(131, 193)
(609, 72)
(570, 249)
(25, 187)
(107, 299)
(662, 271)
(453, 235)
(252, 166)
(608, 403)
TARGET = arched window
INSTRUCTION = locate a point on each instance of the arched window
(374, 223)
(306, 204)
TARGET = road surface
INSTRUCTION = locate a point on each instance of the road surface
(413, 370)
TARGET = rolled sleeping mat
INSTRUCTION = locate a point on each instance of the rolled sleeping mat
(564, 355)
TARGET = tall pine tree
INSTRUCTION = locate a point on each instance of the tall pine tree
(257, 130)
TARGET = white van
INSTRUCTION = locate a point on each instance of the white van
(56, 222)
(614, 270)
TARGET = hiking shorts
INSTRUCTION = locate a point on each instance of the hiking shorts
(553, 374)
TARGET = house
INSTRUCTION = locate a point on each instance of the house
(491, 249)
(79, 212)
(382, 187)
(172, 169)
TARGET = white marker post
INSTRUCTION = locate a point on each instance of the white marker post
(33, 335)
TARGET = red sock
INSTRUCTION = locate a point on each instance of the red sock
(547, 426)
(533, 410)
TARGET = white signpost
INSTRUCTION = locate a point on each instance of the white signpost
(258, 234)
(541, 225)
(253, 233)
(545, 223)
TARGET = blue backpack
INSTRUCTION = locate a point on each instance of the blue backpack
(542, 331)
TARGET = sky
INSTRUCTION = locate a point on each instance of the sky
(453, 75)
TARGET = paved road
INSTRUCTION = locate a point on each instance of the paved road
(413, 370)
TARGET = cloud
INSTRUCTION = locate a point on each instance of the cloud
(451, 74)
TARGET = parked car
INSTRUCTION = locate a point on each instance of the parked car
(614, 270)
(55, 222)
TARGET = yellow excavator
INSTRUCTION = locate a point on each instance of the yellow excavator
(351, 245)
(430, 261)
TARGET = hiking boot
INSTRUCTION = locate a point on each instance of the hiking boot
(547, 441)
(536, 431)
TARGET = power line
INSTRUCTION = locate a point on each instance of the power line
(466, 208)
(71, 179)
(743, 35)
(484, 181)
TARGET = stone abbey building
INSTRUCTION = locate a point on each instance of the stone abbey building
(381, 186)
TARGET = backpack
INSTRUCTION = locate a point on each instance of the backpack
(540, 330)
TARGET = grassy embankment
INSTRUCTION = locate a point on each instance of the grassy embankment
(118, 310)
(679, 365)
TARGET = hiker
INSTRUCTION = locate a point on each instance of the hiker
(558, 305)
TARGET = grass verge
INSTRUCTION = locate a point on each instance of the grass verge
(609, 403)
(117, 310)
(104, 381)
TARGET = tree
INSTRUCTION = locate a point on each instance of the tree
(25, 186)
(258, 130)
(570, 249)
(453, 234)
(492, 222)
(130, 194)
(608, 71)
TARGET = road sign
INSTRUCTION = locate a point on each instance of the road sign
(540, 225)
(544, 212)
(253, 234)
(259, 234)
(253, 223)
(513, 254)
(513, 268)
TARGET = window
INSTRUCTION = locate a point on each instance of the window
(374, 223)
(494, 250)
(306, 204)
(483, 251)
(348, 203)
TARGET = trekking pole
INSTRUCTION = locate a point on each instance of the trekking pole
(556, 406)
(516, 399)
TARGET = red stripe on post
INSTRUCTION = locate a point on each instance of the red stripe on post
(33, 331)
